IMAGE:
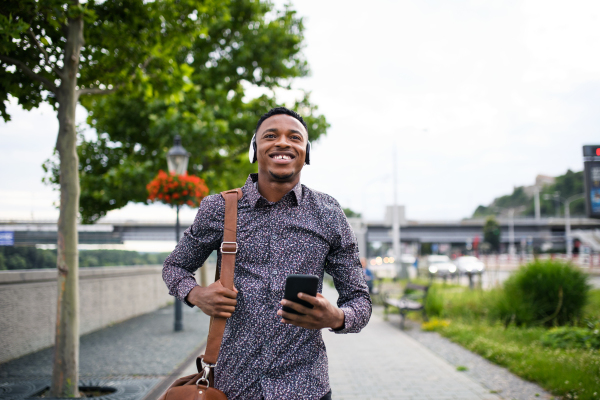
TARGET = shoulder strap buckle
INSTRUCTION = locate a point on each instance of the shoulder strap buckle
(229, 249)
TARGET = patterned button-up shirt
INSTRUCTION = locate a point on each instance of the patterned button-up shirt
(306, 232)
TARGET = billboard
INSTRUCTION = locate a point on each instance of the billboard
(591, 173)
(7, 238)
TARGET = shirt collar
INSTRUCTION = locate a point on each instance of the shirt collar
(250, 189)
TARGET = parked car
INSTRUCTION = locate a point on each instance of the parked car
(440, 266)
(469, 264)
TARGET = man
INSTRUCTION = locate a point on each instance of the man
(283, 228)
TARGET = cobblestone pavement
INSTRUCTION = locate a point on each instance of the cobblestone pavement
(139, 352)
(382, 363)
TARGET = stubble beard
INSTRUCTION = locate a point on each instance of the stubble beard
(281, 177)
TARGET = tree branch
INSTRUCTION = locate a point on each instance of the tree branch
(46, 56)
(115, 88)
(97, 90)
(27, 71)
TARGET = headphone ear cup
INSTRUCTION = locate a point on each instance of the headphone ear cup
(252, 150)
(307, 158)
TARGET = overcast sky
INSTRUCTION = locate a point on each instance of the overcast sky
(475, 97)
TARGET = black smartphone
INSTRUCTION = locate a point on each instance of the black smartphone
(297, 283)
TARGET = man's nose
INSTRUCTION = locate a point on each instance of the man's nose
(282, 141)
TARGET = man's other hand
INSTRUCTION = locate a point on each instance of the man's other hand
(322, 315)
(214, 300)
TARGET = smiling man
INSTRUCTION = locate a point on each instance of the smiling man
(283, 228)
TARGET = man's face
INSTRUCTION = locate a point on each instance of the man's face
(281, 147)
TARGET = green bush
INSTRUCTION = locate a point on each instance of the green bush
(568, 337)
(549, 293)
(471, 304)
(434, 303)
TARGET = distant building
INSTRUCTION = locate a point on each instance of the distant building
(540, 182)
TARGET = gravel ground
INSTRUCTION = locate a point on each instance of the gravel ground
(142, 346)
(497, 379)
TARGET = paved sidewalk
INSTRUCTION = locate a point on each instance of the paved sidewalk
(382, 362)
(133, 357)
(139, 356)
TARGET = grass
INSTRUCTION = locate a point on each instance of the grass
(592, 308)
(572, 373)
(469, 318)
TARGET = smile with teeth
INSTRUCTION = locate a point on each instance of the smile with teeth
(282, 157)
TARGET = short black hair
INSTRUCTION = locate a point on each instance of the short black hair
(281, 110)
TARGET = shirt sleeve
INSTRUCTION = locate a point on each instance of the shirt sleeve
(343, 264)
(198, 241)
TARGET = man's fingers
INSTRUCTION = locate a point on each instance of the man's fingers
(296, 306)
(228, 309)
(223, 315)
(226, 301)
(315, 301)
(229, 293)
(291, 318)
(220, 289)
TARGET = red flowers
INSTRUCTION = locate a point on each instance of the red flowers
(177, 189)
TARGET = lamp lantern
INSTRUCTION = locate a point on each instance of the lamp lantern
(177, 157)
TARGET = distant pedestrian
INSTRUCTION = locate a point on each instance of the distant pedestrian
(369, 277)
(283, 228)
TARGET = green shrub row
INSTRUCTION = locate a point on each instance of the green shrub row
(542, 293)
(16, 258)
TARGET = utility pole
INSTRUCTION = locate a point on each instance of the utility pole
(511, 233)
(536, 200)
(396, 219)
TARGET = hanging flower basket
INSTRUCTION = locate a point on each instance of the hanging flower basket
(177, 189)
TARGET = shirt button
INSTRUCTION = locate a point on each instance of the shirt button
(274, 272)
(274, 237)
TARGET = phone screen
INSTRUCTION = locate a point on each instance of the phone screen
(297, 283)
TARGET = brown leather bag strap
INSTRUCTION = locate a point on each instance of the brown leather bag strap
(228, 250)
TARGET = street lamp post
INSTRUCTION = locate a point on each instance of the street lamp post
(557, 203)
(511, 233)
(177, 161)
(568, 223)
(567, 203)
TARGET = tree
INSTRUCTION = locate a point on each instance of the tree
(567, 185)
(171, 65)
(491, 233)
(351, 213)
(254, 47)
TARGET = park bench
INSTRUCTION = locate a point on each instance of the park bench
(413, 299)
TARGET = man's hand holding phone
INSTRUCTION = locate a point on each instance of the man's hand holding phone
(316, 313)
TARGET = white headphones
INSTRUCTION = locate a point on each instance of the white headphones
(252, 151)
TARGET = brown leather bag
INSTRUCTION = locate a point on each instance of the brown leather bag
(200, 386)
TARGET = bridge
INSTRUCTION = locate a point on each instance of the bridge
(413, 233)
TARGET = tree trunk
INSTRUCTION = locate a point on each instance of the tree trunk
(65, 373)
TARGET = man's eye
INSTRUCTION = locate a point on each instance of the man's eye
(296, 137)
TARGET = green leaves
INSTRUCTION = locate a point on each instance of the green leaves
(203, 58)
(184, 67)
(10, 28)
(491, 233)
(548, 292)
